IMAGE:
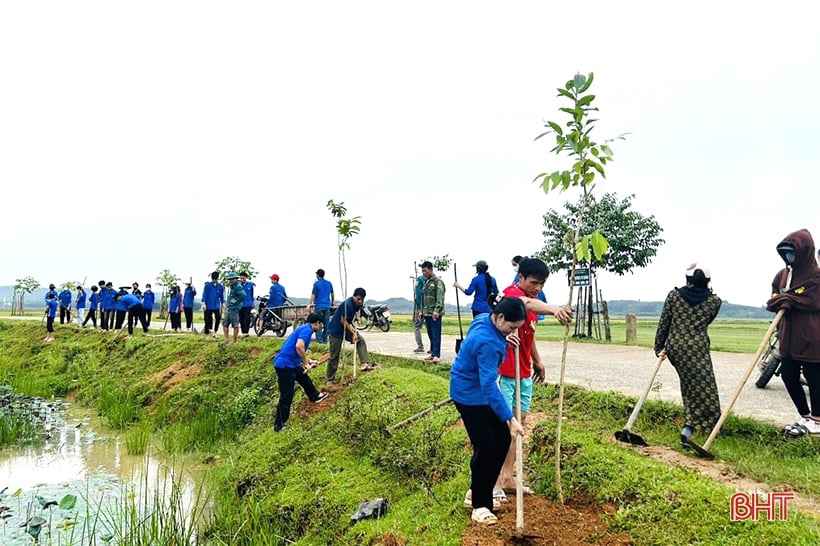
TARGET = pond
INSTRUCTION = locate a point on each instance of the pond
(79, 486)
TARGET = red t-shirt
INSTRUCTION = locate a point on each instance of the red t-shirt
(526, 333)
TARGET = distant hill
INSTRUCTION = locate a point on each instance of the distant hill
(403, 306)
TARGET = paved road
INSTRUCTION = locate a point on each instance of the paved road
(627, 369)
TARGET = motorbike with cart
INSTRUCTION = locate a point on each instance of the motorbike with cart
(276, 319)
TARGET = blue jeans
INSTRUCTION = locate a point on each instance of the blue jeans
(321, 335)
(434, 333)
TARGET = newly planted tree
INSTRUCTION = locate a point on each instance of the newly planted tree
(166, 280)
(235, 264)
(21, 287)
(589, 160)
(345, 229)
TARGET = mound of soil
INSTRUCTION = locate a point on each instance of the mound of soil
(579, 522)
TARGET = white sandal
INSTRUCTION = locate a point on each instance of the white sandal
(468, 499)
(484, 516)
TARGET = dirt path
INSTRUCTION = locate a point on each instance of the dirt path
(627, 369)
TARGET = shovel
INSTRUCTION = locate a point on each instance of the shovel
(704, 451)
(458, 311)
(626, 435)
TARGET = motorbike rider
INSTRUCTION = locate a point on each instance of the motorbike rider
(277, 296)
(796, 292)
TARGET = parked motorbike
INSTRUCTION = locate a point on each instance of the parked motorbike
(374, 315)
(274, 319)
(769, 365)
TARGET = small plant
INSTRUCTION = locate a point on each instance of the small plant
(345, 229)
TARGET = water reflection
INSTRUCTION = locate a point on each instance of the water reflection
(81, 457)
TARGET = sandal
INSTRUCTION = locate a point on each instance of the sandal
(367, 368)
(484, 516)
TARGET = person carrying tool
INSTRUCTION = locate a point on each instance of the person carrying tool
(341, 328)
(682, 336)
(65, 297)
(432, 309)
(482, 286)
(799, 329)
(292, 364)
(532, 274)
(188, 304)
(488, 419)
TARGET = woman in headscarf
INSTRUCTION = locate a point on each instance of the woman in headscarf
(683, 338)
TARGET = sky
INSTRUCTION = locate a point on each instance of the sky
(139, 137)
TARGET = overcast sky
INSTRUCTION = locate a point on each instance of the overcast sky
(136, 137)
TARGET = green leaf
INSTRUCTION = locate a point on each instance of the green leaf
(600, 245)
(584, 101)
(555, 127)
(579, 82)
(582, 249)
(68, 502)
(565, 93)
(106, 537)
(588, 83)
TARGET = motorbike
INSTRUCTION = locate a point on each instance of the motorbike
(274, 319)
(374, 315)
(769, 365)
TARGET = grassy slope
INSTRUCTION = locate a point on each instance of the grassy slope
(305, 483)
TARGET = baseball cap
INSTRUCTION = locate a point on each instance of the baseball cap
(690, 271)
(274, 277)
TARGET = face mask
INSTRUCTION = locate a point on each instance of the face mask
(788, 253)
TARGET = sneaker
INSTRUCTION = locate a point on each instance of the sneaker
(322, 396)
(812, 426)
(419, 350)
(435, 360)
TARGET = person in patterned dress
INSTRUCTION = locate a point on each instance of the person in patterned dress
(683, 338)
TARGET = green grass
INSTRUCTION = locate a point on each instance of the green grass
(301, 486)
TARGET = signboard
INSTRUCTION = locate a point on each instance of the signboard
(581, 276)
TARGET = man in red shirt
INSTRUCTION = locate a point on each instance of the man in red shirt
(532, 274)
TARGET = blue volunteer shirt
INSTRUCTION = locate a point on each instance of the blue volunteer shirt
(322, 290)
(347, 310)
(81, 300)
(52, 308)
(474, 375)
(248, 301)
(479, 286)
(129, 300)
(93, 301)
(277, 296)
(148, 299)
(288, 357)
(188, 297)
(213, 295)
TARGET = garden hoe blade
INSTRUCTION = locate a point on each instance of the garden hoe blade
(702, 453)
(626, 435)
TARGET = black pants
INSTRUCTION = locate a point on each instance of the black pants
(790, 374)
(50, 325)
(189, 317)
(245, 319)
(176, 322)
(491, 440)
(65, 314)
(119, 318)
(212, 319)
(135, 314)
(147, 314)
(287, 377)
(92, 316)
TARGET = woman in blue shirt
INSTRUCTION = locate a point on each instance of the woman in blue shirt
(175, 309)
(482, 286)
(291, 365)
(488, 419)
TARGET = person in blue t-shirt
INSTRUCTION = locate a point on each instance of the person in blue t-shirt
(188, 303)
(93, 304)
(277, 296)
(79, 305)
(482, 286)
(292, 364)
(65, 297)
(213, 296)
(321, 300)
(51, 290)
(247, 304)
(147, 304)
(488, 420)
(175, 309)
(50, 312)
(341, 328)
(133, 307)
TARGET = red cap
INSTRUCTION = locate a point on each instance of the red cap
(274, 277)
